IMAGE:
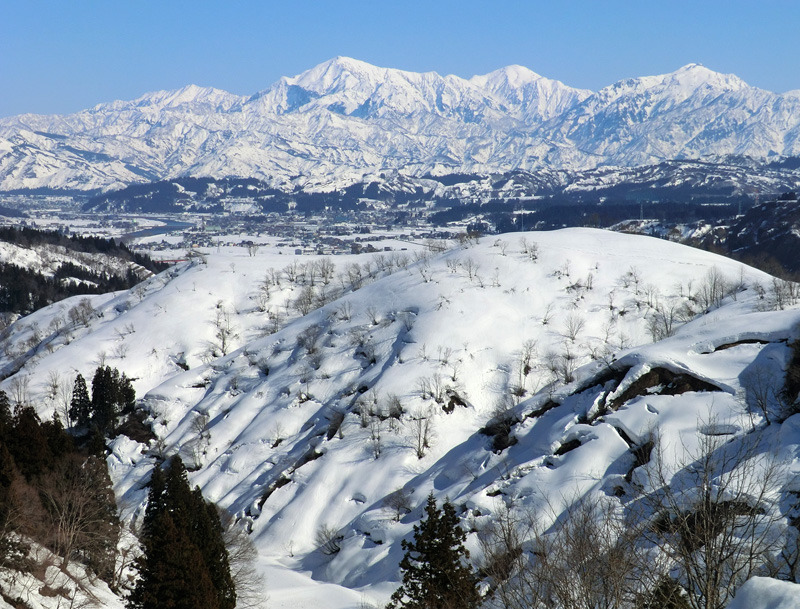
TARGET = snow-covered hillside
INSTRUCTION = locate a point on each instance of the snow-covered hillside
(302, 421)
(344, 119)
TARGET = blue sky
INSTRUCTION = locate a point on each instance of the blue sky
(59, 56)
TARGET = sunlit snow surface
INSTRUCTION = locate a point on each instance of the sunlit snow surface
(255, 425)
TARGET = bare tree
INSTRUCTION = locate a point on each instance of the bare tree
(375, 436)
(242, 556)
(51, 387)
(711, 517)
(325, 268)
(305, 301)
(373, 315)
(394, 410)
(663, 320)
(530, 249)
(65, 388)
(399, 502)
(78, 499)
(573, 325)
(762, 392)
(224, 330)
(19, 387)
(548, 314)
(585, 559)
(471, 267)
(345, 311)
(784, 293)
(421, 432)
(713, 289)
(81, 313)
(262, 297)
(291, 271)
(328, 539)
(588, 557)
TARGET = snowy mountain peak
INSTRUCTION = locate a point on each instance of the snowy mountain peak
(345, 118)
(681, 83)
(695, 74)
(189, 97)
(538, 98)
(339, 73)
(513, 75)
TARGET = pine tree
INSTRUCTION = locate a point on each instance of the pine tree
(197, 533)
(28, 444)
(127, 395)
(172, 574)
(434, 573)
(6, 419)
(104, 398)
(80, 409)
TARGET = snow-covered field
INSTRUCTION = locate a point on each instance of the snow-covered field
(298, 420)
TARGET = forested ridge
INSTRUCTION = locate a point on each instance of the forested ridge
(25, 288)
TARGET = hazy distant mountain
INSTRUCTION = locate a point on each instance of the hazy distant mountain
(344, 118)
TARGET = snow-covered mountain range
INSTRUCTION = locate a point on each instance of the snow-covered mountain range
(306, 392)
(343, 119)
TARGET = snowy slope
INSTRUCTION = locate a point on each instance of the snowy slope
(344, 118)
(314, 425)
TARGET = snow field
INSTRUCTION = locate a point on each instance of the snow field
(311, 426)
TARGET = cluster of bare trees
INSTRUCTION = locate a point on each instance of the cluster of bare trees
(687, 537)
(315, 284)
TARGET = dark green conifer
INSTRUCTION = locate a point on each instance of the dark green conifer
(209, 539)
(6, 418)
(104, 398)
(127, 395)
(435, 575)
(198, 525)
(58, 440)
(28, 444)
(80, 409)
(172, 574)
(156, 500)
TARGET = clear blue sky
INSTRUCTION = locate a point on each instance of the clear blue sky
(58, 56)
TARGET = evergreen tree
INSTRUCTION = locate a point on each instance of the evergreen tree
(127, 395)
(173, 509)
(105, 385)
(434, 573)
(172, 574)
(6, 419)
(58, 440)
(28, 444)
(210, 541)
(80, 409)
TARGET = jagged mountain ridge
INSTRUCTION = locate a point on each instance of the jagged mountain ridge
(342, 119)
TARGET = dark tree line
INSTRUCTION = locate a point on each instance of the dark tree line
(24, 290)
(112, 396)
(184, 564)
(53, 493)
(90, 244)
